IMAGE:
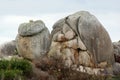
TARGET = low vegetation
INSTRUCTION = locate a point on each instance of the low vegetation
(15, 69)
(20, 69)
(55, 67)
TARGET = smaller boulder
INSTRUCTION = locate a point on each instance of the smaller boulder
(116, 68)
(116, 46)
(33, 40)
(8, 49)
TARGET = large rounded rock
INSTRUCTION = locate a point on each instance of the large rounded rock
(93, 35)
(33, 39)
(85, 34)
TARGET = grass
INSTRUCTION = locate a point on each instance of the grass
(116, 77)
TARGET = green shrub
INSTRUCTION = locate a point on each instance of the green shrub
(116, 77)
(10, 74)
(4, 64)
(23, 65)
(14, 69)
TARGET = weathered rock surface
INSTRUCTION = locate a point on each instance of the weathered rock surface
(8, 49)
(116, 52)
(81, 39)
(32, 28)
(33, 39)
(116, 68)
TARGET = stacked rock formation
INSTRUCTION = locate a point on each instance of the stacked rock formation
(33, 40)
(81, 39)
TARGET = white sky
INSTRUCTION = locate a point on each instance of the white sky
(15, 12)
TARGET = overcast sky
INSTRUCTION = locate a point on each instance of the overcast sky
(15, 12)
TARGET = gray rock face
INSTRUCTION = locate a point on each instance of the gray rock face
(116, 52)
(116, 68)
(33, 39)
(8, 49)
(32, 28)
(88, 39)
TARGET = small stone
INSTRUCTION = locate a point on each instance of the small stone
(61, 38)
(71, 44)
(69, 35)
(84, 58)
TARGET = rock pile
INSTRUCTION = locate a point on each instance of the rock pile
(81, 39)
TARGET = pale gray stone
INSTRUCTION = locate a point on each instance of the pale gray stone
(116, 52)
(8, 49)
(31, 28)
(116, 68)
(33, 47)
